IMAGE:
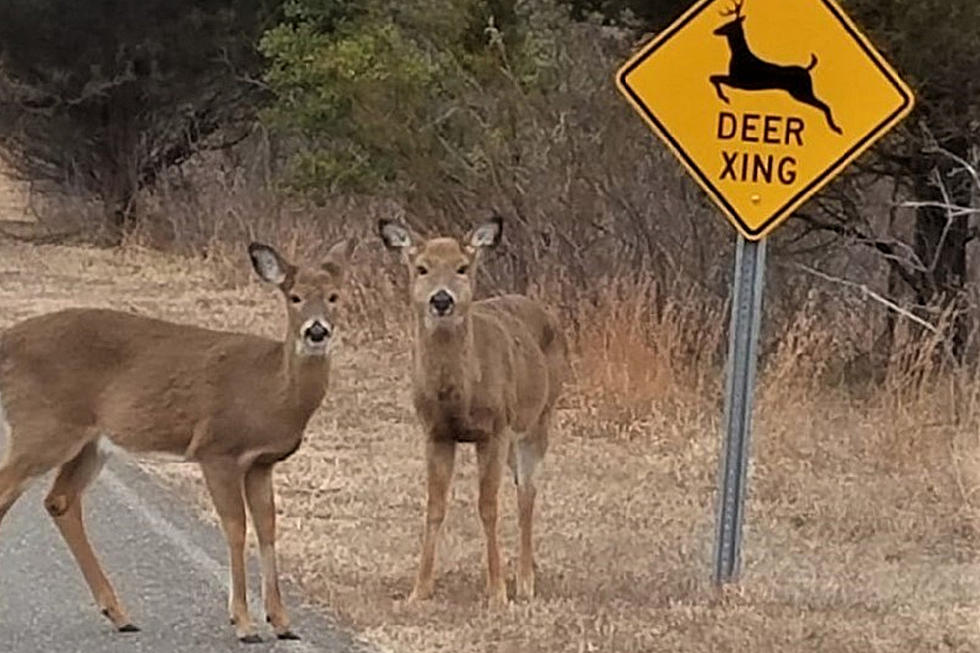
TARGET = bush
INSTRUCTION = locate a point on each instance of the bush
(101, 96)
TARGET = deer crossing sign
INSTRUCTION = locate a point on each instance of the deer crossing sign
(764, 101)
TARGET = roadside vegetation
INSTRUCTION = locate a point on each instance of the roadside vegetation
(296, 122)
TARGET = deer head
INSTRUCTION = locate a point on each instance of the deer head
(311, 295)
(735, 25)
(442, 270)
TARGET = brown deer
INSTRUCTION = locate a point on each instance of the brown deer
(78, 382)
(750, 73)
(487, 372)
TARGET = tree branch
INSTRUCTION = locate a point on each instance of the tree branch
(870, 294)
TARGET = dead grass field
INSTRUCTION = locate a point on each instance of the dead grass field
(862, 534)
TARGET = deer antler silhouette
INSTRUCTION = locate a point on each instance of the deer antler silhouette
(736, 10)
(748, 72)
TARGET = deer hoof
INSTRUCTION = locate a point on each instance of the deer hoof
(419, 595)
(497, 600)
(288, 634)
(525, 588)
(250, 639)
(128, 628)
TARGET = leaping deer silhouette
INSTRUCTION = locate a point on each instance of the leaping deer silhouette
(750, 73)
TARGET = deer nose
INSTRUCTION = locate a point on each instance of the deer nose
(316, 332)
(442, 303)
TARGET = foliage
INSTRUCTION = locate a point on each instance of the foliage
(934, 45)
(373, 93)
(654, 14)
(460, 113)
(102, 95)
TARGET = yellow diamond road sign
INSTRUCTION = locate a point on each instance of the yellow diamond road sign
(764, 101)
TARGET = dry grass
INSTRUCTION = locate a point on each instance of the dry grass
(862, 533)
(14, 198)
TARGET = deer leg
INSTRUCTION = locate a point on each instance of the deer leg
(12, 484)
(528, 452)
(224, 480)
(262, 504)
(64, 504)
(21, 462)
(718, 80)
(814, 102)
(490, 456)
(806, 96)
(829, 116)
(439, 456)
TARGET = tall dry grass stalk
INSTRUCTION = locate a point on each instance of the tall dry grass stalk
(637, 352)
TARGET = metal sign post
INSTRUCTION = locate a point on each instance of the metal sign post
(750, 266)
(757, 99)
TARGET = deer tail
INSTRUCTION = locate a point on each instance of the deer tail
(813, 61)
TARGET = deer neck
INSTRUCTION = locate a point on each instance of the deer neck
(737, 43)
(445, 360)
(303, 379)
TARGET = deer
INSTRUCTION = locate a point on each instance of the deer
(485, 372)
(748, 72)
(79, 383)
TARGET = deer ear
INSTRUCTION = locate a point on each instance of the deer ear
(338, 257)
(487, 234)
(394, 234)
(268, 264)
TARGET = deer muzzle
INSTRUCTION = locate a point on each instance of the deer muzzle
(316, 335)
(441, 303)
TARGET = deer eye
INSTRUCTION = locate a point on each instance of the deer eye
(463, 269)
(296, 299)
(333, 298)
(421, 270)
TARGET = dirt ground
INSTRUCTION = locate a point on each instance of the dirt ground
(843, 552)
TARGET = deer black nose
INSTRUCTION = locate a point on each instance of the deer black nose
(442, 302)
(317, 332)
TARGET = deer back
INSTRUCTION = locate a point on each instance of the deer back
(521, 352)
(148, 384)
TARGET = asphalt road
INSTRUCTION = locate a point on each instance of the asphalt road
(167, 564)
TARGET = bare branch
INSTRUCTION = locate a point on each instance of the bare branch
(937, 180)
(870, 294)
(955, 211)
(908, 268)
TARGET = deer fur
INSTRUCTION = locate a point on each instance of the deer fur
(75, 380)
(485, 372)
